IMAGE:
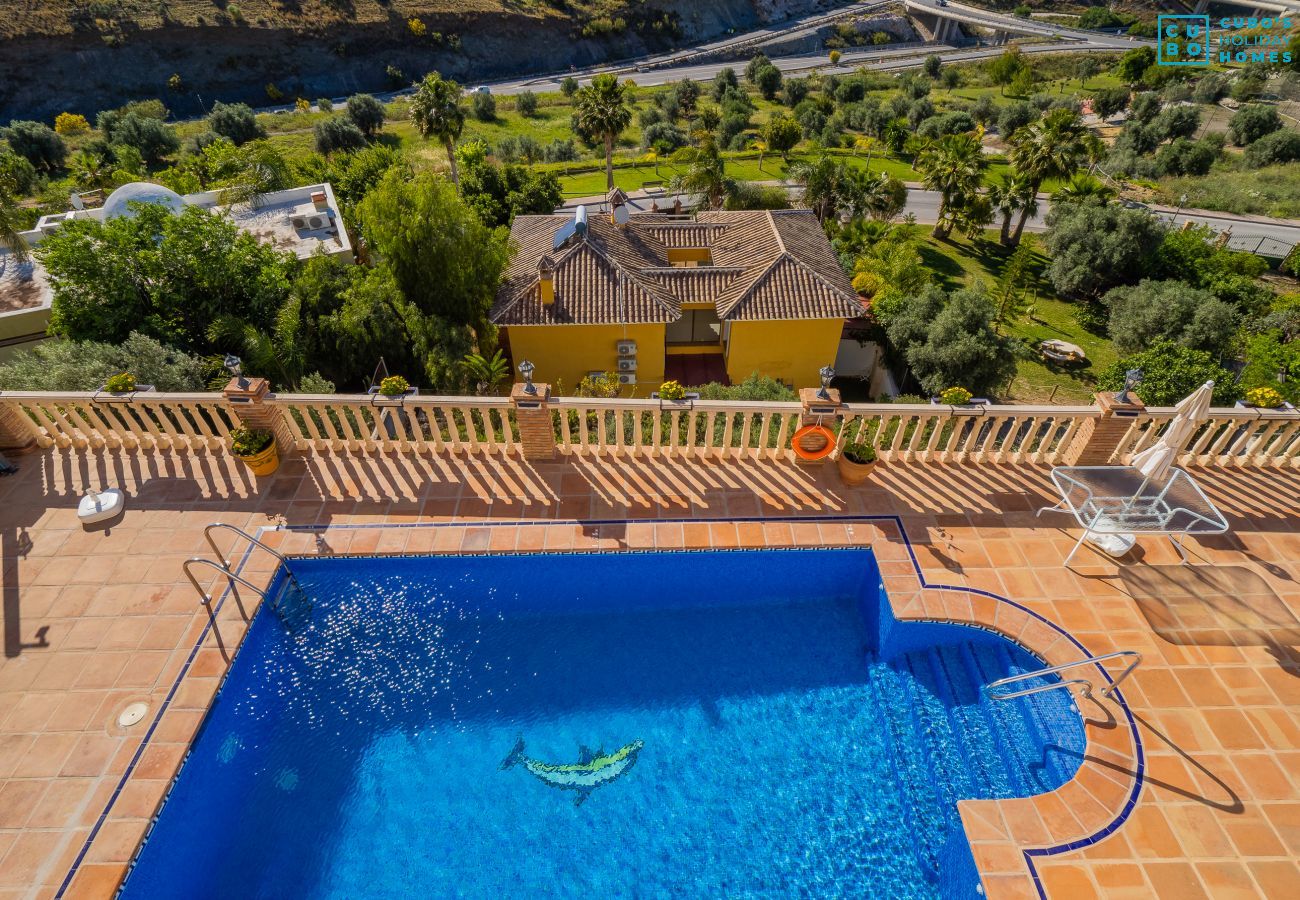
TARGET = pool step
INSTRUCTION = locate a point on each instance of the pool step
(958, 744)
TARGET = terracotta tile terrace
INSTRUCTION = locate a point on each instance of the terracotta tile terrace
(1189, 787)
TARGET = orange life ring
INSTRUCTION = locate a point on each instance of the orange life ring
(813, 455)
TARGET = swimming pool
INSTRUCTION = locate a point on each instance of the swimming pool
(740, 723)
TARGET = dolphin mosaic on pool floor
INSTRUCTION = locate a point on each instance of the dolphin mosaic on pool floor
(1189, 783)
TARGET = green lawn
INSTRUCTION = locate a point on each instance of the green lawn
(959, 261)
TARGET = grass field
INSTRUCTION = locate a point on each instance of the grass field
(960, 261)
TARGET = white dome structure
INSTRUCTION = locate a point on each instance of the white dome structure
(118, 202)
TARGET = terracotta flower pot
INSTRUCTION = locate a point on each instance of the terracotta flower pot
(854, 473)
(264, 462)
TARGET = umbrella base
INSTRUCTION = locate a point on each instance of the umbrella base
(1115, 545)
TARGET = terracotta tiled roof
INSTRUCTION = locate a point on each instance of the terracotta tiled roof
(766, 265)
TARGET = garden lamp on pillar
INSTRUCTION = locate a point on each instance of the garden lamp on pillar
(236, 368)
(1132, 378)
(526, 369)
(827, 375)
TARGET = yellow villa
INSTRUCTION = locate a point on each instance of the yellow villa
(651, 297)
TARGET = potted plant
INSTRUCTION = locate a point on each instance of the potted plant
(119, 388)
(957, 396)
(256, 448)
(673, 393)
(1265, 398)
(392, 390)
(855, 462)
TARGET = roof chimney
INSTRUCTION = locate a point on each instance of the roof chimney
(546, 279)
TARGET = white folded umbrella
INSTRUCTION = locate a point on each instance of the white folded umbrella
(1155, 461)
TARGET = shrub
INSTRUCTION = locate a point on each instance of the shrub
(85, 366)
(768, 81)
(955, 396)
(484, 106)
(1264, 398)
(324, 104)
(302, 105)
(1170, 373)
(249, 441)
(1015, 116)
(122, 383)
(1250, 123)
(235, 121)
(1184, 157)
(526, 103)
(794, 91)
(37, 143)
(366, 113)
(394, 386)
(569, 86)
(336, 134)
(71, 123)
(416, 26)
(1281, 146)
(1171, 311)
(151, 137)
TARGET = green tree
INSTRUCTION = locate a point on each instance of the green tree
(152, 138)
(1011, 292)
(569, 86)
(484, 106)
(781, 134)
(437, 113)
(954, 166)
(1108, 101)
(951, 340)
(499, 193)
(932, 65)
(235, 121)
(1248, 124)
(445, 261)
(1134, 64)
(890, 271)
(603, 109)
(1282, 146)
(37, 143)
(17, 174)
(168, 277)
(756, 64)
(1149, 311)
(1169, 373)
(86, 365)
(1004, 69)
(768, 81)
(1094, 247)
(338, 133)
(1052, 147)
(366, 113)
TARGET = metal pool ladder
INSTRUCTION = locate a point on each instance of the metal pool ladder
(290, 602)
(1085, 684)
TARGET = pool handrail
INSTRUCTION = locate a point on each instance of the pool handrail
(989, 689)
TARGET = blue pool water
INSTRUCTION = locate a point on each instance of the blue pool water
(754, 724)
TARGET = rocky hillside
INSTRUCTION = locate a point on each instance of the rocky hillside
(86, 55)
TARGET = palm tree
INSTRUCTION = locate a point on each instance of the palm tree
(1052, 147)
(602, 109)
(705, 173)
(826, 185)
(876, 194)
(1010, 194)
(954, 166)
(11, 224)
(1083, 186)
(437, 113)
(89, 169)
(486, 372)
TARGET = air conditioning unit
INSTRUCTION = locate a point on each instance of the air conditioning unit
(627, 378)
(627, 364)
(627, 348)
(311, 221)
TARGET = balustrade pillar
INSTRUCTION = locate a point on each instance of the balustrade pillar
(533, 416)
(1097, 438)
(17, 433)
(246, 398)
(817, 410)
